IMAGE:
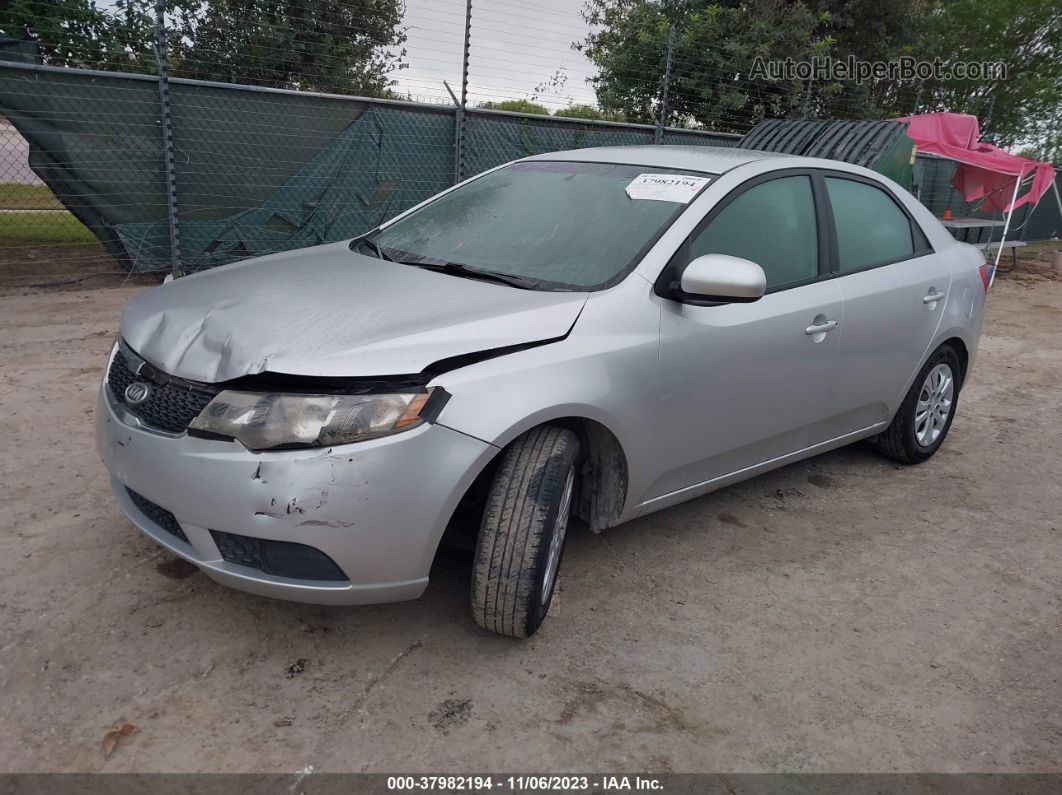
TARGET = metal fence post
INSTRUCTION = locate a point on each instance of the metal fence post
(986, 128)
(662, 116)
(459, 113)
(161, 60)
(807, 99)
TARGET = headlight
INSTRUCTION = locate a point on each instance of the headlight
(261, 421)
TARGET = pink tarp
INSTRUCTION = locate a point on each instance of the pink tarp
(986, 173)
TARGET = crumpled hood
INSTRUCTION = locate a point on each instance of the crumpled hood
(327, 311)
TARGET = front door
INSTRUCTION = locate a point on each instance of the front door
(743, 384)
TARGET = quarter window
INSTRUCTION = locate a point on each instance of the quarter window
(771, 224)
(871, 229)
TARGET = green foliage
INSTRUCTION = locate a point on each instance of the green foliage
(1024, 34)
(717, 42)
(590, 112)
(77, 33)
(868, 30)
(516, 106)
(322, 45)
(344, 46)
(715, 47)
(1048, 144)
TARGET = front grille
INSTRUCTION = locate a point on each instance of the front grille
(171, 405)
(157, 514)
(279, 558)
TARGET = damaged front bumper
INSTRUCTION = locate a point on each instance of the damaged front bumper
(376, 509)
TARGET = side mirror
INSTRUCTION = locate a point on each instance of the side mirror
(720, 277)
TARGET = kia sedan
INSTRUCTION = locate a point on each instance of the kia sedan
(592, 335)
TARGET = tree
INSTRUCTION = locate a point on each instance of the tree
(78, 34)
(590, 112)
(1026, 35)
(867, 30)
(326, 45)
(516, 106)
(715, 48)
(717, 40)
(1048, 137)
(322, 45)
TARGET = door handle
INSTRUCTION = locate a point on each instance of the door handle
(821, 328)
(932, 297)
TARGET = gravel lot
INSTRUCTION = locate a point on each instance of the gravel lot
(841, 614)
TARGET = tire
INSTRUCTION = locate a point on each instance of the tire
(512, 579)
(908, 439)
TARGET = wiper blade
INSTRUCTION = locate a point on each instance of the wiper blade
(375, 248)
(459, 269)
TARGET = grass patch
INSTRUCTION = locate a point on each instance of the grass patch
(17, 196)
(42, 229)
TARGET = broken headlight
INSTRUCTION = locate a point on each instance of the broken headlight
(262, 421)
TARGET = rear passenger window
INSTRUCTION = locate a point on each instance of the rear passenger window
(771, 224)
(871, 228)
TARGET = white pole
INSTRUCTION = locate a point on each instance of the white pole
(1006, 225)
(1054, 184)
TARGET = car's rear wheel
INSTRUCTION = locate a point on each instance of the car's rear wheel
(522, 534)
(924, 418)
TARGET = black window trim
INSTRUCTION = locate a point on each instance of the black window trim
(920, 244)
(668, 283)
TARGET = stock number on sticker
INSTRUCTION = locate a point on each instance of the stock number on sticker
(678, 188)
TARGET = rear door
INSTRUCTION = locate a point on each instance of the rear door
(894, 289)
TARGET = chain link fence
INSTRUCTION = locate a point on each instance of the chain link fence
(256, 170)
(85, 182)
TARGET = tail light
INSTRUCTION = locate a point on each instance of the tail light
(986, 275)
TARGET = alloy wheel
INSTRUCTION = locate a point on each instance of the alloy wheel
(560, 527)
(935, 402)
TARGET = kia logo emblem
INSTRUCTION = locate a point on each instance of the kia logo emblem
(136, 393)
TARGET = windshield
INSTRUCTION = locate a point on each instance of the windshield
(559, 225)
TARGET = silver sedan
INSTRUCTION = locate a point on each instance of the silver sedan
(592, 335)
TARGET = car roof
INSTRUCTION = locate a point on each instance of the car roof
(709, 159)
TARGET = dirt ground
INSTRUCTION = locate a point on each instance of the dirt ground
(29, 270)
(841, 614)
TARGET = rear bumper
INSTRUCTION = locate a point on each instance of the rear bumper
(376, 508)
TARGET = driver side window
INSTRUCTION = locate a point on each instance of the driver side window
(772, 224)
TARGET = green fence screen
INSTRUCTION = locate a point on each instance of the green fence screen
(260, 170)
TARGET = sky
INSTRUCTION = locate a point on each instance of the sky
(516, 46)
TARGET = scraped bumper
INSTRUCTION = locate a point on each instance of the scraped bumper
(377, 509)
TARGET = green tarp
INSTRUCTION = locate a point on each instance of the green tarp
(257, 171)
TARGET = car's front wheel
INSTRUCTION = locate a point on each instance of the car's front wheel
(924, 418)
(521, 536)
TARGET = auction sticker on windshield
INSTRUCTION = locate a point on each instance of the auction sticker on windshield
(678, 188)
